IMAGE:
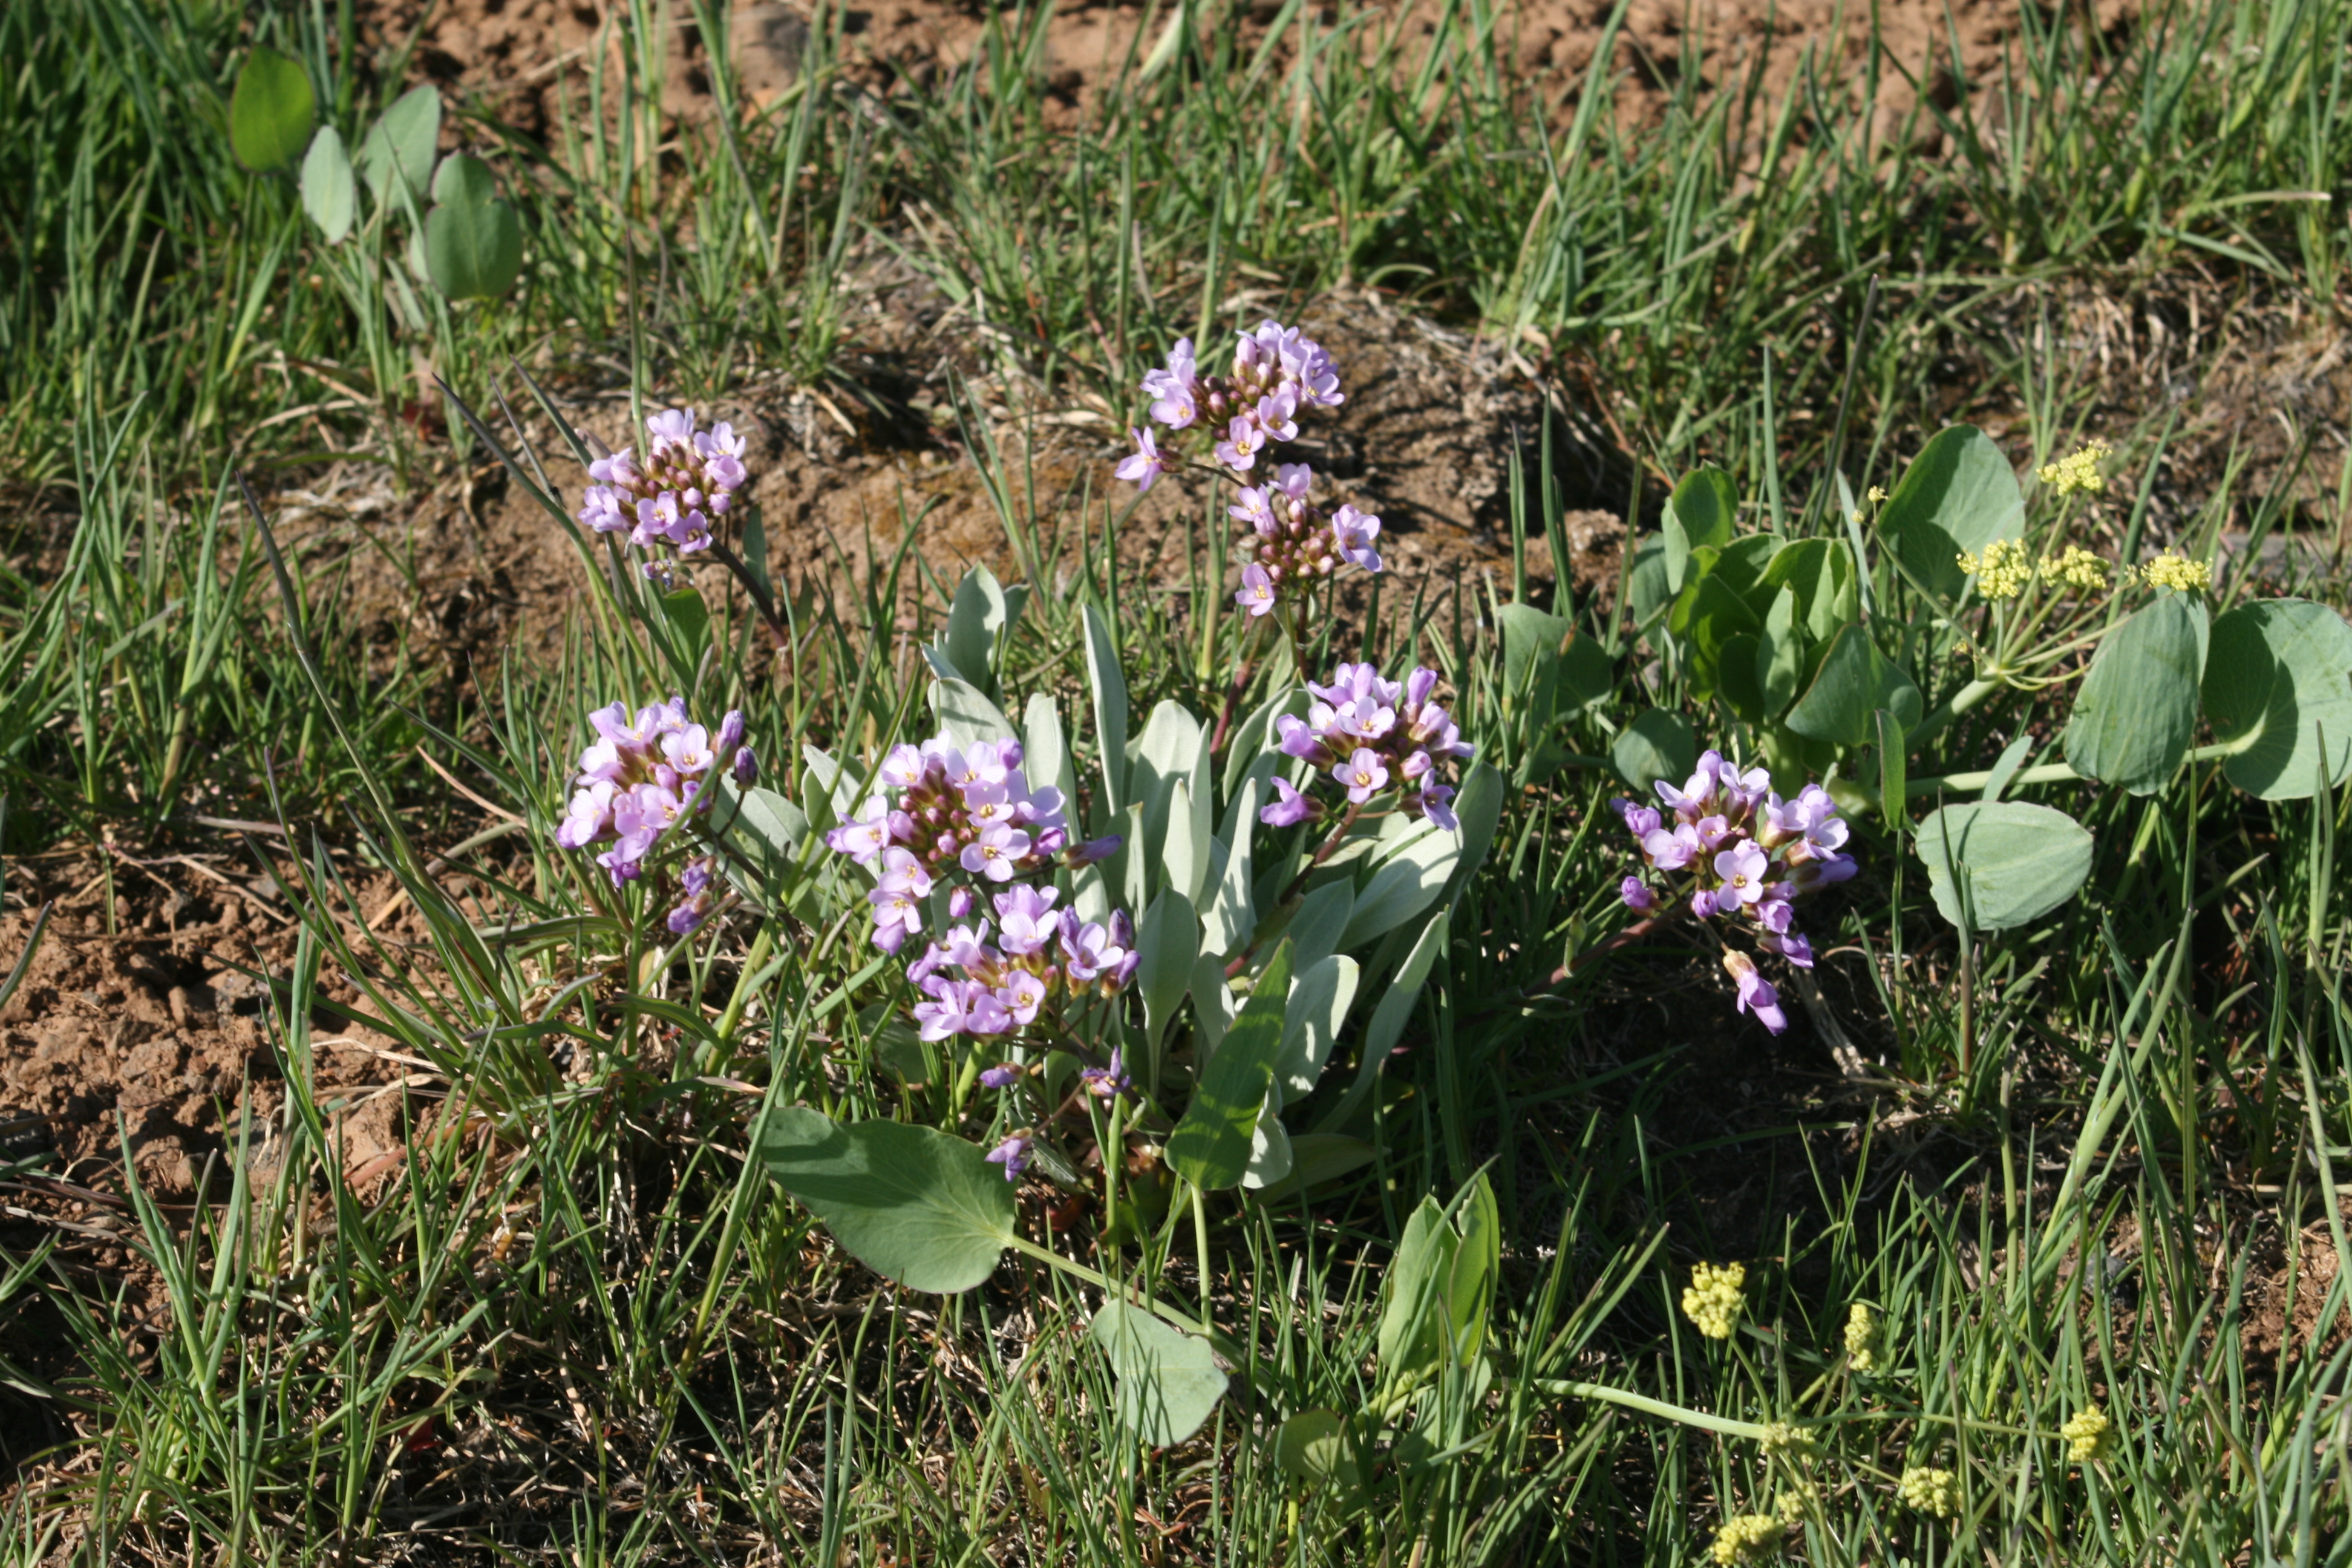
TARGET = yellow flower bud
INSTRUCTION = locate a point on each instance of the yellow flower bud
(1712, 1300)
(2078, 470)
(2089, 1436)
(1929, 1491)
(1746, 1538)
(2002, 571)
(1861, 1338)
(2178, 573)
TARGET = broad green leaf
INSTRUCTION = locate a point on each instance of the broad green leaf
(1169, 1383)
(1320, 1000)
(967, 715)
(688, 619)
(1710, 614)
(1468, 1295)
(1531, 650)
(270, 112)
(1410, 1331)
(473, 241)
(330, 194)
(1044, 755)
(2004, 768)
(1213, 1005)
(1319, 1157)
(1854, 681)
(2138, 710)
(1184, 852)
(404, 141)
(1645, 581)
(1210, 1146)
(1388, 1020)
(1587, 676)
(1269, 1159)
(1110, 688)
(1232, 914)
(2278, 679)
(1322, 916)
(1959, 493)
(1312, 1446)
(1479, 809)
(764, 833)
(1247, 748)
(1780, 653)
(912, 1204)
(1405, 884)
(1699, 513)
(1166, 943)
(1736, 681)
(1656, 745)
(974, 624)
(1997, 865)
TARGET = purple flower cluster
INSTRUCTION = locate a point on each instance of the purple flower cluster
(969, 810)
(688, 477)
(1366, 735)
(1276, 376)
(644, 773)
(1744, 854)
(1038, 953)
(966, 821)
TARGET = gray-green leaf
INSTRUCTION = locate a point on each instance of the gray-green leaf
(1992, 866)
(404, 141)
(2278, 677)
(1959, 493)
(910, 1202)
(329, 194)
(1210, 1146)
(1169, 1383)
(2137, 712)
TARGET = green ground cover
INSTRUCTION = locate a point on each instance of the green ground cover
(2069, 1153)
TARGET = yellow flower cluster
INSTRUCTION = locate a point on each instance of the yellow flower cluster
(1929, 1491)
(1783, 1438)
(1791, 1505)
(1712, 1300)
(1746, 1538)
(2089, 1436)
(2001, 572)
(1861, 1338)
(2078, 568)
(2177, 573)
(2077, 470)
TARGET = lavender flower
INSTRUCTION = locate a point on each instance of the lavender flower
(1741, 852)
(688, 478)
(1013, 1154)
(1369, 735)
(1289, 544)
(643, 774)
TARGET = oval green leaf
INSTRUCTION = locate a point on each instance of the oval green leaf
(1210, 1146)
(1656, 745)
(270, 112)
(1959, 494)
(2138, 710)
(1699, 513)
(473, 252)
(1855, 681)
(405, 141)
(329, 194)
(2278, 691)
(912, 1204)
(1995, 866)
(1168, 1381)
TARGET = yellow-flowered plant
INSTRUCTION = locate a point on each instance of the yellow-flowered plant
(2078, 568)
(1746, 1538)
(1861, 1338)
(1783, 1438)
(1930, 1490)
(2178, 573)
(1791, 1502)
(1712, 1300)
(2002, 571)
(2089, 1436)
(2078, 469)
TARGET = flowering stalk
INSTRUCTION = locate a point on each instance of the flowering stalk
(957, 823)
(1736, 850)
(673, 499)
(1290, 543)
(644, 775)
